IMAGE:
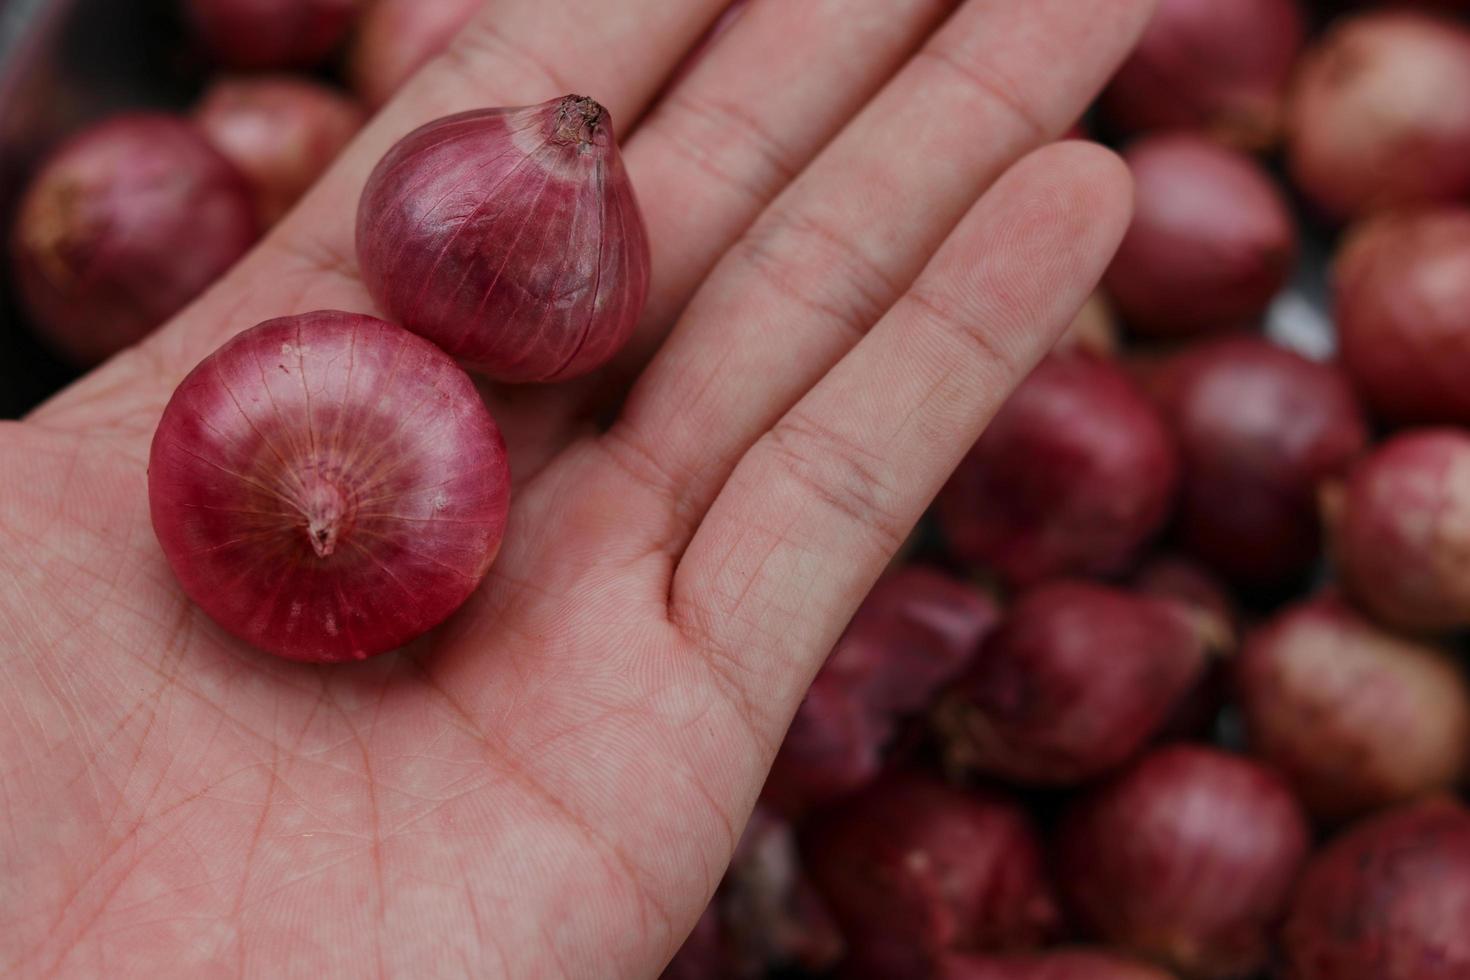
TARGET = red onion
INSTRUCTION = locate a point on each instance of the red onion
(1213, 66)
(258, 34)
(328, 486)
(510, 238)
(280, 132)
(1072, 964)
(1354, 717)
(1260, 428)
(1403, 315)
(913, 868)
(1073, 476)
(1176, 577)
(124, 225)
(1073, 683)
(1373, 122)
(1186, 859)
(703, 956)
(1401, 530)
(1211, 244)
(395, 38)
(915, 631)
(1094, 329)
(1388, 900)
(774, 918)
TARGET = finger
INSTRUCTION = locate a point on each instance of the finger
(840, 245)
(819, 505)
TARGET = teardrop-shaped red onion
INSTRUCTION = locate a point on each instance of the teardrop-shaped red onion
(913, 868)
(256, 34)
(1207, 65)
(280, 131)
(1061, 964)
(125, 224)
(1211, 244)
(1073, 476)
(1372, 123)
(1186, 859)
(1387, 900)
(1400, 530)
(1075, 680)
(328, 486)
(1260, 428)
(1402, 286)
(509, 237)
(1354, 717)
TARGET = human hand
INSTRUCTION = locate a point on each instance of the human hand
(552, 783)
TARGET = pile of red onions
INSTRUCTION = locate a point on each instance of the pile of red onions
(328, 487)
(916, 631)
(396, 37)
(1354, 717)
(1187, 859)
(125, 224)
(1072, 684)
(1403, 314)
(1211, 244)
(1260, 428)
(1388, 900)
(1400, 529)
(1375, 119)
(510, 238)
(280, 132)
(1073, 476)
(1218, 67)
(913, 869)
(257, 34)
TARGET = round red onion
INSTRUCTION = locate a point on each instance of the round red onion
(1401, 530)
(1176, 577)
(257, 34)
(1212, 240)
(1403, 315)
(1073, 476)
(1259, 428)
(1067, 964)
(1387, 900)
(395, 38)
(1355, 718)
(912, 868)
(915, 631)
(509, 237)
(1372, 122)
(1073, 683)
(328, 486)
(1213, 66)
(280, 132)
(1186, 859)
(125, 224)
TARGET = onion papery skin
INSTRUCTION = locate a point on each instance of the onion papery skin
(1212, 241)
(328, 486)
(1187, 859)
(912, 868)
(1073, 476)
(1260, 428)
(1223, 68)
(1389, 899)
(263, 34)
(914, 633)
(280, 132)
(121, 227)
(395, 38)
(1072, 684)
(1063, 964)
(1400, 530)
(1354, 717)
(509, 237)
(1402, 301)
(1370, 123)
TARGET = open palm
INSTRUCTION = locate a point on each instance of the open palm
(551, 784)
